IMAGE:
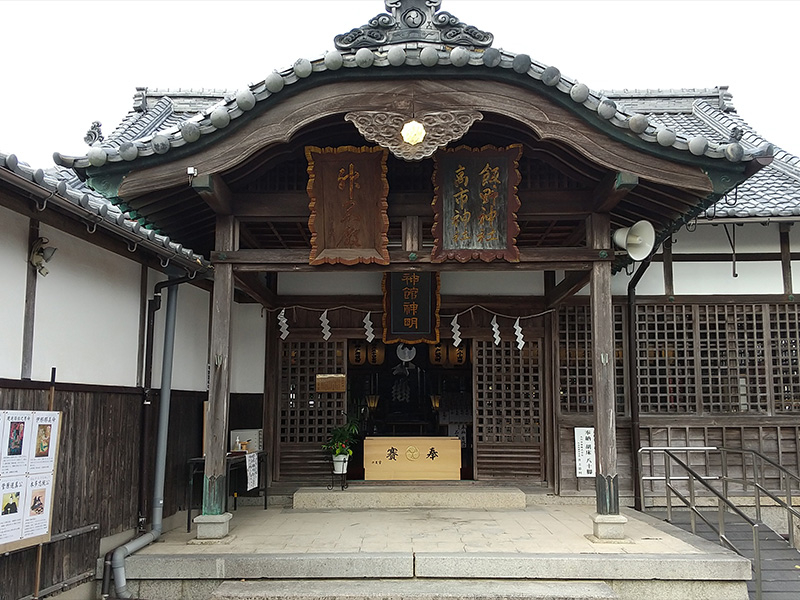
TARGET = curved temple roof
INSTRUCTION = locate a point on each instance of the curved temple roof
(413, 35)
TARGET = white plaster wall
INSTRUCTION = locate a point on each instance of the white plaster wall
(13, 270)
(651, 283)
(715, 278)
(502, 283)
(190, 357)
(330, 284)
(248, 348)
(753, 237)
(87, 314)
(794, 237)
(795, 276)
(492, 283)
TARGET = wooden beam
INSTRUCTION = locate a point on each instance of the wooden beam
(612, 189)
(295, 259)
(572, 283)
(412, 234)
(537, 205)
(214, 192)
(250, 283)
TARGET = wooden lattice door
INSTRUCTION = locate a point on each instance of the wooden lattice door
(508, 410)
(306, 416)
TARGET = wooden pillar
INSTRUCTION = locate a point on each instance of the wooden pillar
(215, 486)
(272, 395)
(30, 306)
(669, 278)
(786, 258)
(603, 370)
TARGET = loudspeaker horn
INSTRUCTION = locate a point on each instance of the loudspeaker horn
(638, 240)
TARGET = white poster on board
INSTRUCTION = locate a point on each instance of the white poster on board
(43, 439)
(584, 452)
(14, 443)
(252, 470)
(38, 504)
(12, 500)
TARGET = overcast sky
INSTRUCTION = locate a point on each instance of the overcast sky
(66, 64)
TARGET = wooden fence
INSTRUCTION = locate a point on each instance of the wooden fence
(98, 474)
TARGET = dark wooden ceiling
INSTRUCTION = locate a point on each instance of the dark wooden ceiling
(557, 192)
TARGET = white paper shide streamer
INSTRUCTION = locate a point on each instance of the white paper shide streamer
(456, 328)
(496, 331)
(520, 337)
(326, 326)
(283, 324)
(369, 332)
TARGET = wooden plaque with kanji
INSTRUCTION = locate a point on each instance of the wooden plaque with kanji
(475, 204)
(347, 188)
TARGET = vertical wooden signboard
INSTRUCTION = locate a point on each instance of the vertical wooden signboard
(347, 188)
(475, 204)
(411, 307)
(28, 452)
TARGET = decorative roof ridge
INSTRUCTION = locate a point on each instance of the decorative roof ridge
(67, 191)
(725, 123)
(413, 21)
(409, 54)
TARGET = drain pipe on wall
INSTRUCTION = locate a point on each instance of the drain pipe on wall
(117, 558)
(636, 437)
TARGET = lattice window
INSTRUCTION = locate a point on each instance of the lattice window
(575, 359)
(508, 393)
(308, 416)
(733, 375)
(665, 359)
(785, 343)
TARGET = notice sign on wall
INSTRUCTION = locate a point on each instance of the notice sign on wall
(28, 452)
(584, 452)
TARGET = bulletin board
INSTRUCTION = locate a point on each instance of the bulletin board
(28, 458)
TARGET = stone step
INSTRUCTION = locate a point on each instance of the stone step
(410, 496)
(413, 589)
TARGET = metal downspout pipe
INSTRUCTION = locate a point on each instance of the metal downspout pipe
(118, 556)
(633, 390)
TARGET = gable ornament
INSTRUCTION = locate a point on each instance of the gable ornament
(413, 21)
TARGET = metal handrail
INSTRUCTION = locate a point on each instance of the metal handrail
(786, 478)
(691, 503)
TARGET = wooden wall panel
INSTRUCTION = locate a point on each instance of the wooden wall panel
(97, 477)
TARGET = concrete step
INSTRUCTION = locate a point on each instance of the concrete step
(410, 496)
(413, 589)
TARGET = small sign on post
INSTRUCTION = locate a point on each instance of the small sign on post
(585, 465)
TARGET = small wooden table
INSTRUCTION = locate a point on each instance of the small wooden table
(233, 462)
(412, 458)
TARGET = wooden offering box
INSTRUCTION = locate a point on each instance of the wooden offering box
(412, 458)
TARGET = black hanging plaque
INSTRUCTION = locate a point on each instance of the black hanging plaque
(411, 307)
(475, 204)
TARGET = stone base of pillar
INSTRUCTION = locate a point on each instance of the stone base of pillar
(609, 529)
(212, 527)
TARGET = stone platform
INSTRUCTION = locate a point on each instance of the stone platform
(540, 551)
(410, 496)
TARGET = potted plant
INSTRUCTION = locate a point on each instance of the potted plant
(340, 444)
